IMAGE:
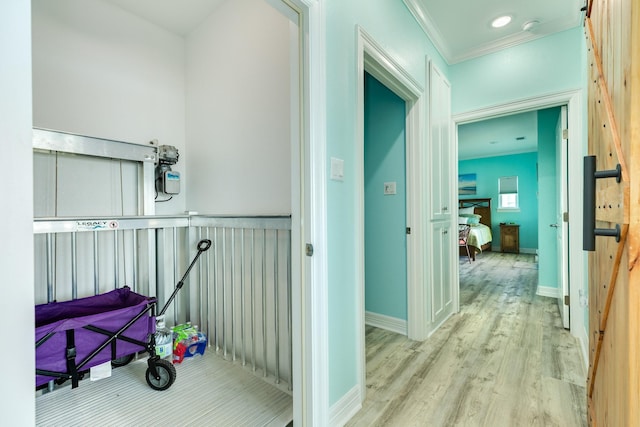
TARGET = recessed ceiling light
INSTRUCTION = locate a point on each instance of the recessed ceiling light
(501, 21)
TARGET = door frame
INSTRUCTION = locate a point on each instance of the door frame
(372, 58)
(562, 160)
(310, 344)
(576, 151)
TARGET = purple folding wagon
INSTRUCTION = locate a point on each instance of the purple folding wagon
(74, 336)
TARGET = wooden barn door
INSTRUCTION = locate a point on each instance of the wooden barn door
(612, 29)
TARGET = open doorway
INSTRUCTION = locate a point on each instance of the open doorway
(125, 114)
(575, 260)
(518, 165)
(378, 64)
(385, 203)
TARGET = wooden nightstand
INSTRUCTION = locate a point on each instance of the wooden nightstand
(510, 238)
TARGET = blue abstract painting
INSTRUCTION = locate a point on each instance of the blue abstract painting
(466, 184)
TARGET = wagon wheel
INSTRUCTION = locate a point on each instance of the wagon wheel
(121, 361)
(166, 375)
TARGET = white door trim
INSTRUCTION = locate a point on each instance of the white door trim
(562, 230)
(577, 150)
(373, 59)
(310, 298)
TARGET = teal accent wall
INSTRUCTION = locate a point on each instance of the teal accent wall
(488, 171)
(547, 65)
(547, 198)
(393, 27)
(385, 215)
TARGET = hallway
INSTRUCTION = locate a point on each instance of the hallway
(504, 360)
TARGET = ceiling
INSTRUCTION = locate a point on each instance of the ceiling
(499, 136)
(172, 15)
(461, 29)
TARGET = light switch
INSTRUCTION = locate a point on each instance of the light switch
(389, 188)
(337, 169)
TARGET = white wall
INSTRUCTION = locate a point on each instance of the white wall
(102, 72)
(16, 252)
(238, 126)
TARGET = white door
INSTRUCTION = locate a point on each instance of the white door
(561, 225)
(440, 145)
(442, 285)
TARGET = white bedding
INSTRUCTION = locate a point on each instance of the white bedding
(479, 235)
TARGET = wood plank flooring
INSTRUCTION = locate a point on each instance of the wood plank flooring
(504, 360)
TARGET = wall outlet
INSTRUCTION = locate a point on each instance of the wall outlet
(389, 188)
(584, 299)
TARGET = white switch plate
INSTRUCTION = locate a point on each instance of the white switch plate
(389, 188)
(337, 169)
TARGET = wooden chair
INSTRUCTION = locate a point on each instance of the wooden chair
(463, 236)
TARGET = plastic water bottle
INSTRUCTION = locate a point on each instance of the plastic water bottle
(164, 338)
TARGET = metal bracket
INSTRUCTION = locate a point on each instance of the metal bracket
(589, 230)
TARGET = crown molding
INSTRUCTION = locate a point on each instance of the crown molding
(513, 40)
(430, 28)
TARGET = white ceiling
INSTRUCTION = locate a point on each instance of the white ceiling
(461, 29)
(497, 137)
(179, 17)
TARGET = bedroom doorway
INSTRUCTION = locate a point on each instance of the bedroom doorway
(575, 260)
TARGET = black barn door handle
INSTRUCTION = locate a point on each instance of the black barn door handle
(589, 230)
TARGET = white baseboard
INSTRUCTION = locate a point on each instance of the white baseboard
(389, 323)
(344, 409)
(547, 291)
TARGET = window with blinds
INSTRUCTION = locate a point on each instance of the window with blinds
(508, 192)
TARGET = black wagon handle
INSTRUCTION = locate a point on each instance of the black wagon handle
(203, 246)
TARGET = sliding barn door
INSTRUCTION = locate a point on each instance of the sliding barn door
(612, 29)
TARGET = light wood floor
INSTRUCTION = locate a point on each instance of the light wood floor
(504, 360)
